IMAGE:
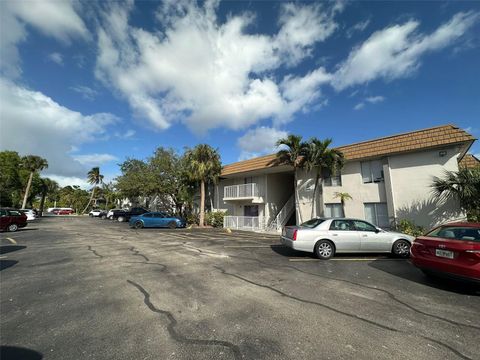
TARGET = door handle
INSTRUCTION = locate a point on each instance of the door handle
(335, 234)
(364, 235)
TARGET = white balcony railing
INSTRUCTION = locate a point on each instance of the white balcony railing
(240, 191)
(244, 222)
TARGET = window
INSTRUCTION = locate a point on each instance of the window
(377, 213)
(372, 171)
(334, 210)
(14, 213)
(364, 226)
(149, 215)
(312, 223)
(3, 212)
(342, 225)
(333, 181)
(457, 233)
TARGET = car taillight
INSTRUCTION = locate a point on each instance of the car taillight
(294, 237)
(474, 252)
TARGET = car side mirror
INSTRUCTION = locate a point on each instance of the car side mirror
(377, 231)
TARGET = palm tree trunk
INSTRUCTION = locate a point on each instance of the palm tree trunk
(202, 203)
(42, 204)
(89, 201)
(297, 205)
(317, 178)
(27, 190)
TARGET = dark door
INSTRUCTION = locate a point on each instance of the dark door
(250, 210)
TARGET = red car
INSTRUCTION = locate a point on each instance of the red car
(451, 250)
(12, 220)
(63, 211)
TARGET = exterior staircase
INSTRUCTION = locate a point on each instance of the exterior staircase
(283, 215)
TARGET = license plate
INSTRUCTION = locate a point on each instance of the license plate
(444, 253)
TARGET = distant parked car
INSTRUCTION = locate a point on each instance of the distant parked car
(30, 214)
(63, 211)
(450, 250)
(156, 219)
(11, 219)
(96, 213)
(327, 236)
(111, 212)
(125, 215)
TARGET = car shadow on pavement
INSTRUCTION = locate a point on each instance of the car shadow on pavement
(5, 264)
(17, 353)
(5, 249)
(405, 270)
(289, 252)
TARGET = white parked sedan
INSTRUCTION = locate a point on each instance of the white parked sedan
(327, 236)
(29, 213)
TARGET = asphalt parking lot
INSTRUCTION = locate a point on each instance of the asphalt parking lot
(82, 288)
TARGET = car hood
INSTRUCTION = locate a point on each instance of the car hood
(408, 237)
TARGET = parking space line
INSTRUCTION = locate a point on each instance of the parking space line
(353, 259)
(251, 246)
(11, 240)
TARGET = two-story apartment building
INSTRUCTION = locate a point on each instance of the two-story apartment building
(387, 178)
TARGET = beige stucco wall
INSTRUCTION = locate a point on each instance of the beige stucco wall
(361, 193)
(411, 178)
(279, 190)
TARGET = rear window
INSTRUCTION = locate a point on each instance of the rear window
(14, 212)
(456, 233)
(312, 223)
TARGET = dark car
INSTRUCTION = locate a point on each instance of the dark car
(450, 250)
(125, 215)
(12, 220)
(156, 219)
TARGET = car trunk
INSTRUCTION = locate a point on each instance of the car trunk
(289, 230)
(448, 250)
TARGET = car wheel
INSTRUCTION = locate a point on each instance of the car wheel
(138, 225)
(110, 217)
(172, 225)
(401, 248)
(12, 227)
(324, 250)
(121, 219)
(91, 215)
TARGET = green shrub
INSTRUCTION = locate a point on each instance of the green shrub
(192, 219)
(408, 227)
(215, 219)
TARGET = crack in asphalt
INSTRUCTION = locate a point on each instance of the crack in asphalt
(223, 271)
(173, 323)
(137, 253)
(388, 293)
(164, 267)
(94, 252)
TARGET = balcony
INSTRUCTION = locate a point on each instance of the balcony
(242, 192)
(250, 223)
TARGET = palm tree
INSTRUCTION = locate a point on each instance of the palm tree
(343, 196)
(323, 160)
(33, 164)
(462, 186)
(203, 165)
(48, 187)
(293, 153)
(109, 194)
(94, 178)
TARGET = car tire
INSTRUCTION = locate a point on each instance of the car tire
(324, 249)
(121, 219)
(172, 225)
(138, 225)
(401, 248)
(110, 217)
(91, 215)
(103, 217)
(12, 227)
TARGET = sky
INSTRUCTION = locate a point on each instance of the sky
(87, 84)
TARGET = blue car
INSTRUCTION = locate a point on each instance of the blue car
(156, 219)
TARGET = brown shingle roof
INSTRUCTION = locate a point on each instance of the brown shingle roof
(469, 162)
(411, 141)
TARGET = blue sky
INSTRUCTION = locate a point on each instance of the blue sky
(88, 84)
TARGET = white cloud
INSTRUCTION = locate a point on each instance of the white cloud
(56, 58)
(371, 100)
(86, 92)
(126, 135)
(33, 123)
(359, 106)
(375, 99)
(395, 52)
(205, 73)
(358, 27)
(92, 160)
(70, 180)
(259, 141)
(57, 19)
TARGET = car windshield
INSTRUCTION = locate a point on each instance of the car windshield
(465, 233)
(312, 223)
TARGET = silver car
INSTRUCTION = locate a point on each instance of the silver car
(326, 236)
